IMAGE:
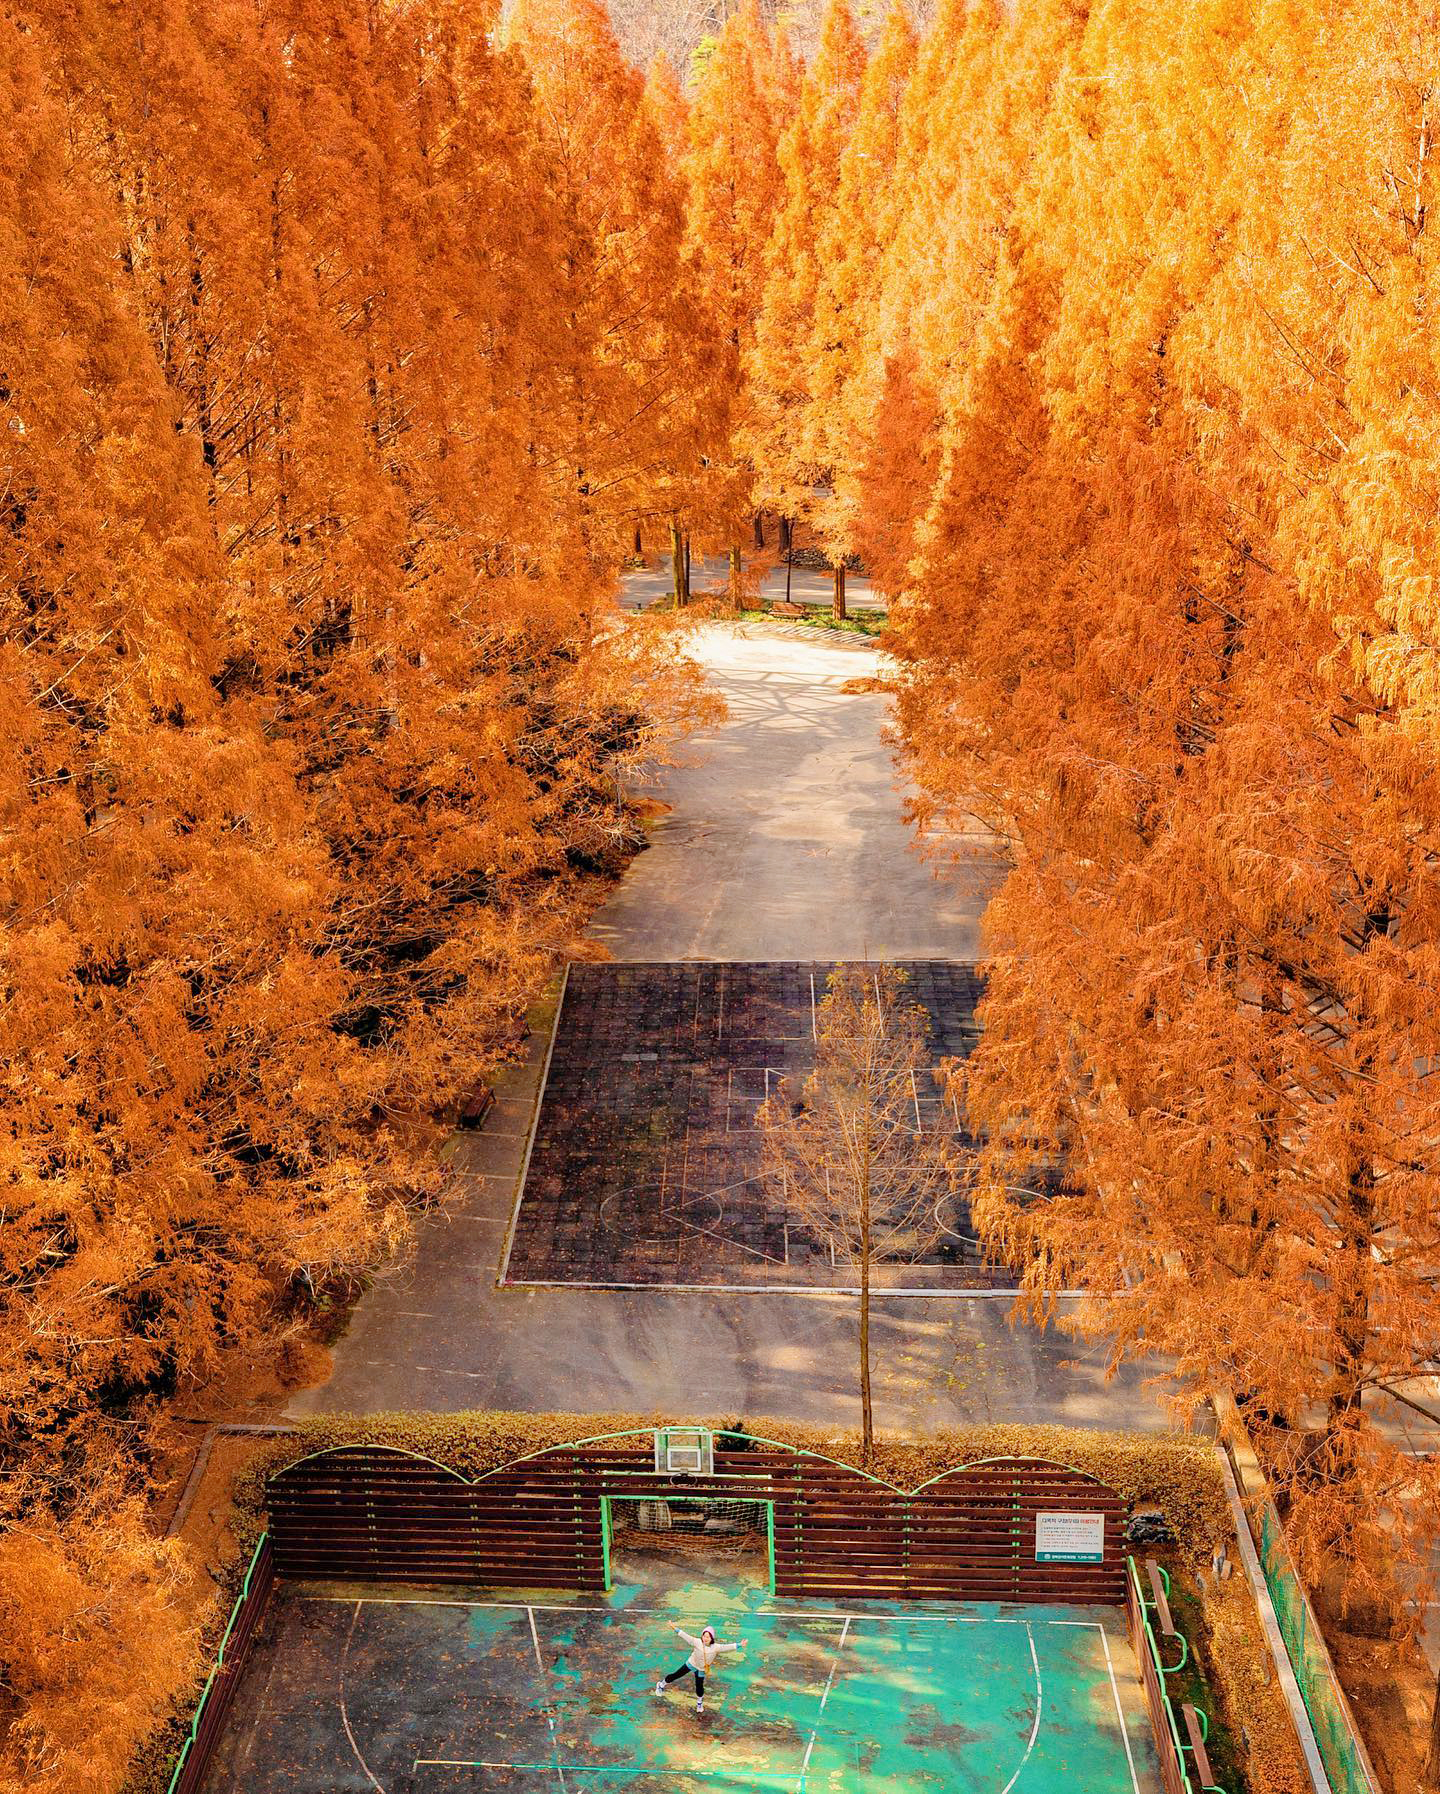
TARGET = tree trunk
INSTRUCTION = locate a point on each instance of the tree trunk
(1351, 1276)
(839, 606)
(759, 529)
(677, 565)
(687, 569)
(867, 1423)
(786, 529)
(737, 596)
(639, 547)
(789, 558)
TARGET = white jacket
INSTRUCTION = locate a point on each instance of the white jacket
(704, 1654)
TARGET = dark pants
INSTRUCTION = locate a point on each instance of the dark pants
(685, 1670)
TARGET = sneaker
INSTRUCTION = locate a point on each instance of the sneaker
(699, 1706)
(659, 1688)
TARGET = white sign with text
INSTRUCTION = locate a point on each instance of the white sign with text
(1069, 1538)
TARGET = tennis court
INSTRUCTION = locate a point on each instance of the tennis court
(408, 1690)
(644, 1166)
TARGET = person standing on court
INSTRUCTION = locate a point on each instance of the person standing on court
(706, 1648)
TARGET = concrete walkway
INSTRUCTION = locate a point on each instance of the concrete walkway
(786, 839)
(784, 842)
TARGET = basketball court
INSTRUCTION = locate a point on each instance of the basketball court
(419, 1692)
(643, 1166)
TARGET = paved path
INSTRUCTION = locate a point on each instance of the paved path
(786, 839)
(785, 842)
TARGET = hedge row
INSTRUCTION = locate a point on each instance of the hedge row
(1177, 1474)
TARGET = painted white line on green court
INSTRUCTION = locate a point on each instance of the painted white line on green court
(620, 1613)
(1039, 1709)
(575, 1768)
(829, 1684)
(1119, 1710)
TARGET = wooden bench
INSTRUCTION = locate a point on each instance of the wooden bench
(474, 1107)
(1195, 1729)
(1160, 1595)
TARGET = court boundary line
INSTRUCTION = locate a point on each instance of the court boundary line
(542, 1084)
(529, 1609)
(344, 1711)
(820, 1711)
(945, 1292)
(1039, 1711)
(775, 1613)
(575, 1769)
(1120, 1711)
(545, 1696)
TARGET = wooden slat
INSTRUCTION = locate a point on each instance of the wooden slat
(969, 1535)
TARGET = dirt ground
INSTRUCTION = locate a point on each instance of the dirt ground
(1391, 1692)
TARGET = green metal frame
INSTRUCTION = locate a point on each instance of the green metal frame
(607, 1525)
(1183, 1753)
(199, 1712)
(1171, 1669)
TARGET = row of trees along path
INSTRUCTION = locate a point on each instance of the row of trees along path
(346, 349)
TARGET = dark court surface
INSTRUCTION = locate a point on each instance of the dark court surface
(644, 1167)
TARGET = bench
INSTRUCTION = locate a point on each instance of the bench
(1195, 1727)
(474, 1107)
(1160, 1599)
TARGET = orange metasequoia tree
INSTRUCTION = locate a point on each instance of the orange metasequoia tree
(803, 239)
(630, 346)
(318, 710)
(1141, 546)
(733, 193)
(845, 380)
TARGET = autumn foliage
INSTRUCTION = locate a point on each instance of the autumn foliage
(1101, 331)
(319, 427)
(1166, 625)
(347, 346)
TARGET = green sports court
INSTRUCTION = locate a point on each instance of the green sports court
(354, 1689)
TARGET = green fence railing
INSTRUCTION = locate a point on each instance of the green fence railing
(198, 1727)
(1310, 1660)
(1178, 1764)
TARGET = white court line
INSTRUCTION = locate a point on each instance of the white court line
(762, 1613)
(1039, 1709)
(611, 1769)
(948, 1293)
(820, 1714)
(532, 1131)
(344, 1715)
(545, 1691)
(1119, 1710)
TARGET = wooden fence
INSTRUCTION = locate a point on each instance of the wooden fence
(219, 1690)
(378, 1514)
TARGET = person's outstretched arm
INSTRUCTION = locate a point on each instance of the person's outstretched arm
(686, 1636)
(733, 1647)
